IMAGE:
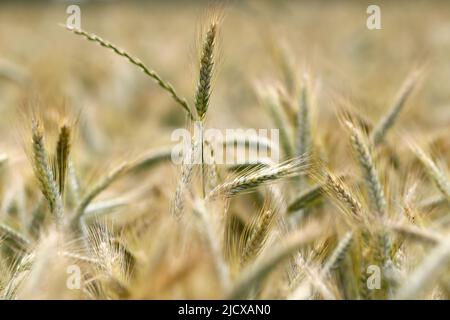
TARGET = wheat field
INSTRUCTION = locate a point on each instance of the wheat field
(92, 205)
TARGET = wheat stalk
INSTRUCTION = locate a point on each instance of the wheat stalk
(220, 264)
(414, 232)
(344, 195)
(138, 63)
(103, 183)
(206, 72)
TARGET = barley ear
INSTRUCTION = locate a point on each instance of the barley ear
(367, 164)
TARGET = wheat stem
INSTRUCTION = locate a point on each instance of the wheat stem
(135, 61)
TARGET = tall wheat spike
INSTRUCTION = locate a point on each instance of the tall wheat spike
(204, 89)
(206, 72)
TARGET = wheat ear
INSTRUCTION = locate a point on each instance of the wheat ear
(186, 175)
(44, 172)
(204, 89)
(387, 122)
(338, 254)
(344, 195)
(370, 173)
(206, 72)
(259, 234)
(436, 174)
(3, 159)
(14, 238)
(62, 158)
(251, 180)
(306, 198)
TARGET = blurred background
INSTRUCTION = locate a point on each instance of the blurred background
(123, 111)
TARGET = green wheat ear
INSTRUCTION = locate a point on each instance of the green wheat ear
(206, 72)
